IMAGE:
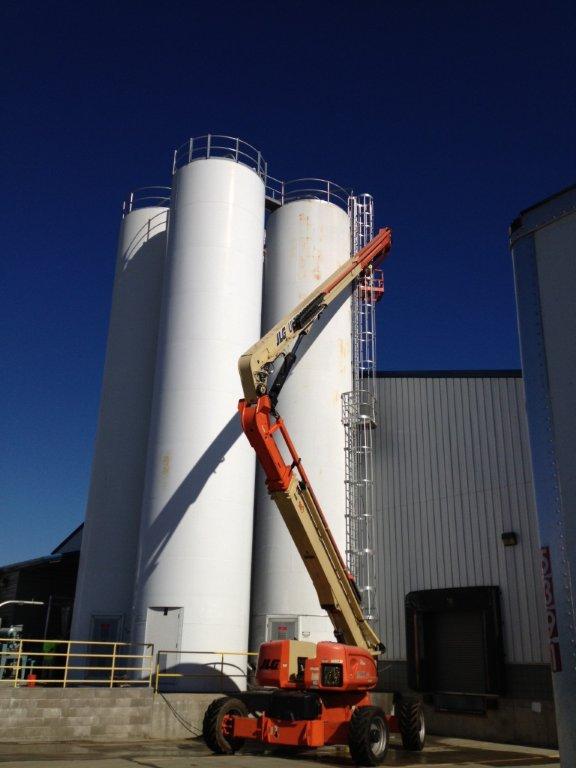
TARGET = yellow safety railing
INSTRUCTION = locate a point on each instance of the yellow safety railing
(66, 663)
(215, 668)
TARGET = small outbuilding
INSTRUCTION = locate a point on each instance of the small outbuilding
(50, 580)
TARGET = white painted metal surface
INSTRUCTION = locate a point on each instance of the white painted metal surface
(543, 242)
(197, 515)
(110, 536)
(306, 240)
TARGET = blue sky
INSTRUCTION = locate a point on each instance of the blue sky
(455, 115)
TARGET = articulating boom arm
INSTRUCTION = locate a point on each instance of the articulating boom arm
(255, 365)
(288, 484)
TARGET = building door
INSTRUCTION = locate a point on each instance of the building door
(164, 631)
(105, 629)
(282, 629)
(164, 628)
(454, 642)
(456, 650)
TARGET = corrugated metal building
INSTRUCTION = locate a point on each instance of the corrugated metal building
(453, 475)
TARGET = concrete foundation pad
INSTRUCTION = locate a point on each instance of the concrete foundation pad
(192, 753)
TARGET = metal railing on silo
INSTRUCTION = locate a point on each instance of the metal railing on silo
(219, 145)
(146, 197)
(281, 192)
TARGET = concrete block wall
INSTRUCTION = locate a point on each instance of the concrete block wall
(515, 721)
(123, 714)
(92, 714)
(524, 716)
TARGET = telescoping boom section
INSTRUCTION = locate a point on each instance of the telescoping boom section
(288, 483)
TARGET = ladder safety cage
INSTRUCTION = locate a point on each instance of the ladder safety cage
(359, 414)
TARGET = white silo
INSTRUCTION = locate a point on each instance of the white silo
(193, 579)
(306, 240)
(104, 590)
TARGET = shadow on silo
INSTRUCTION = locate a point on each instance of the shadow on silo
(196, 677)
(161, 530)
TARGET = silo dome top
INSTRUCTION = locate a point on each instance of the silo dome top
(278, 192)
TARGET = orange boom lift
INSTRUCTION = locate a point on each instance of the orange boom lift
(320, 692)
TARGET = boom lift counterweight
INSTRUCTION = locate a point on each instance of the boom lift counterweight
(321, 691)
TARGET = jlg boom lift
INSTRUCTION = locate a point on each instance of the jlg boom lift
(315, 694)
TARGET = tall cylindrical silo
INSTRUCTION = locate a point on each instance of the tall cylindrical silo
(305, 241)
(104, 590)
(193, 579)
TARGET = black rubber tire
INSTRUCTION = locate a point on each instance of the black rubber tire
(412, 725)
(368, 736)
(212, 725)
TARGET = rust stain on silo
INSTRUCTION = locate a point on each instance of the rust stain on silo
(344, 355)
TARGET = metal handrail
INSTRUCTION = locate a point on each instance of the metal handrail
(275, 189)
(146, 197)
(27, 666)
(316, 189)
(150, 228)
(219, 145)
(283, 192)
(217, 665)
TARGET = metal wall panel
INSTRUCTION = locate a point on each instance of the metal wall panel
(452, 474)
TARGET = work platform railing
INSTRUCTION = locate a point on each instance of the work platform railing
(29, 663)
(65, 663)
(206, 671)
